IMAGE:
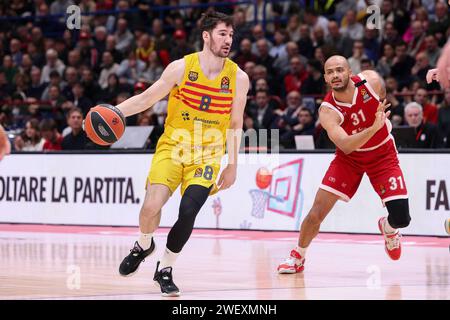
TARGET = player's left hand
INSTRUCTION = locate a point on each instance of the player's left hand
(227, 177)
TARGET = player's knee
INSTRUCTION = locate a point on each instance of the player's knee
(188, 209)
(150, 209)
(398, 213)
(315, 216)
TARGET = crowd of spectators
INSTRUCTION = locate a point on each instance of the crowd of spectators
(50, 76)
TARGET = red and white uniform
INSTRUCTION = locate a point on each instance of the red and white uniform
(377, 157)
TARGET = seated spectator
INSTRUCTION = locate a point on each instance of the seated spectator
(432, 50)
(305, 43)
(123, 36)
(338, 42)
(417, 43)
(92, 89)
(70, 77)
(287, 118)
(279, 48)
(36, 88)
(53, 64)
(444, 120)
(397, 108)
(426, 133)
(353, 29)
(154, 69)
(76, 139)
(88, 53)
(245, 54)
(358, 54)
(51, 135)
(55, 80)
(296, 77)
(80, 100)
(30, 139)
(402, 65)
(430, 111)
(181, 47)
(305, 126)
(315, 83)
(261, 111)
(108, 67)
(264, 58)
(130, 70)
(387, 59)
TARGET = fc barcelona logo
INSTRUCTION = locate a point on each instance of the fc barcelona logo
(225, 83)
(198, 172)
(193, 76)
(365, 95)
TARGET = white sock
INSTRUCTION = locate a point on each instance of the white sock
(145, 240)
(168, 259)
(301, 251)
(388, 228)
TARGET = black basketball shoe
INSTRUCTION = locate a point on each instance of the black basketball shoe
(131, 262)
(164, 279)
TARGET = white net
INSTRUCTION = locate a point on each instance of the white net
(259, 202)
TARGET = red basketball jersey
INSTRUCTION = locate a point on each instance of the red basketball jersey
(360, 114)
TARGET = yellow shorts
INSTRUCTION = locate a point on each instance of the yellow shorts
(172, 166)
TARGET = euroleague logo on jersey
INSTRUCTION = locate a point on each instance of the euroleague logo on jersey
(365, 95)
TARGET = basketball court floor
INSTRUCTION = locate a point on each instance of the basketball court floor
(76, 262)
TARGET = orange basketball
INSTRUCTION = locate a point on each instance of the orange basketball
(263, 178)
(104, 124)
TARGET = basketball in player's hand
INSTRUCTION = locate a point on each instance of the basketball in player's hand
(104, 124)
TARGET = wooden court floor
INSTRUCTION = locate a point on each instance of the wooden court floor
(73, 262)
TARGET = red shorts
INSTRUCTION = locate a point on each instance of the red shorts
(381, 166)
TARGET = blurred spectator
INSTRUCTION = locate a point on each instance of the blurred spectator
(108, 67)
(146, 46)
(91, 87)
(279, 48)
(358, 54)
(305, 126)
(387, 59)
(296, 77)
(402, 65)
(264, 58)
(76, 139)
(60, 6)
(314, 20)
(154, 69)
(258, 34)
(244, 54)
(367, 64)
(420, 69)
(6, 89)
(15, 52)
(131, 70)
(100, 34)
(89, 55)
(55, 80)
(30, 139)
(293, 28)
(21, 81)
(305, 42)
(9, 69)
(26, 65)
(426, 133)
(315, 83)
(51, 135)
(318, 37)
(36, 56)
(353, 29)
(70, 77)
(417, 43)
(429, 110)
(389, 35)
(111, 47)
(74, 58)
(371, 44)
(79, 99)
(36, 88)
(242, 28)
(281, 64)
(162, 41)
(181, 47)
(441, 22)
(87, 6)
(123, 36)
(444, 120)
(287, 118)
(432, 50)
(261, 111)
(338, 42)
(150, 118)
(53, 63)
(109, 94)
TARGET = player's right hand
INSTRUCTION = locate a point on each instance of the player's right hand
(381, 115)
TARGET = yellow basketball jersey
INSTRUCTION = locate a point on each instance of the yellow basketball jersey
(200, 107)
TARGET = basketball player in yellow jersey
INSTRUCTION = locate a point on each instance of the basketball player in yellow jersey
(5, 146)
(207, 96)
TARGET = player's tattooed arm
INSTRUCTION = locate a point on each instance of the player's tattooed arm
(172, 76)
(330, 121)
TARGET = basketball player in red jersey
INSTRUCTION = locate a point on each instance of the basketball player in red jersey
(5, 146)
(353, 114)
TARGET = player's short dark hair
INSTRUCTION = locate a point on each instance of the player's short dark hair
(210, 20)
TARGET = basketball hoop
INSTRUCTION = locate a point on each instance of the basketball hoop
(259, 198)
